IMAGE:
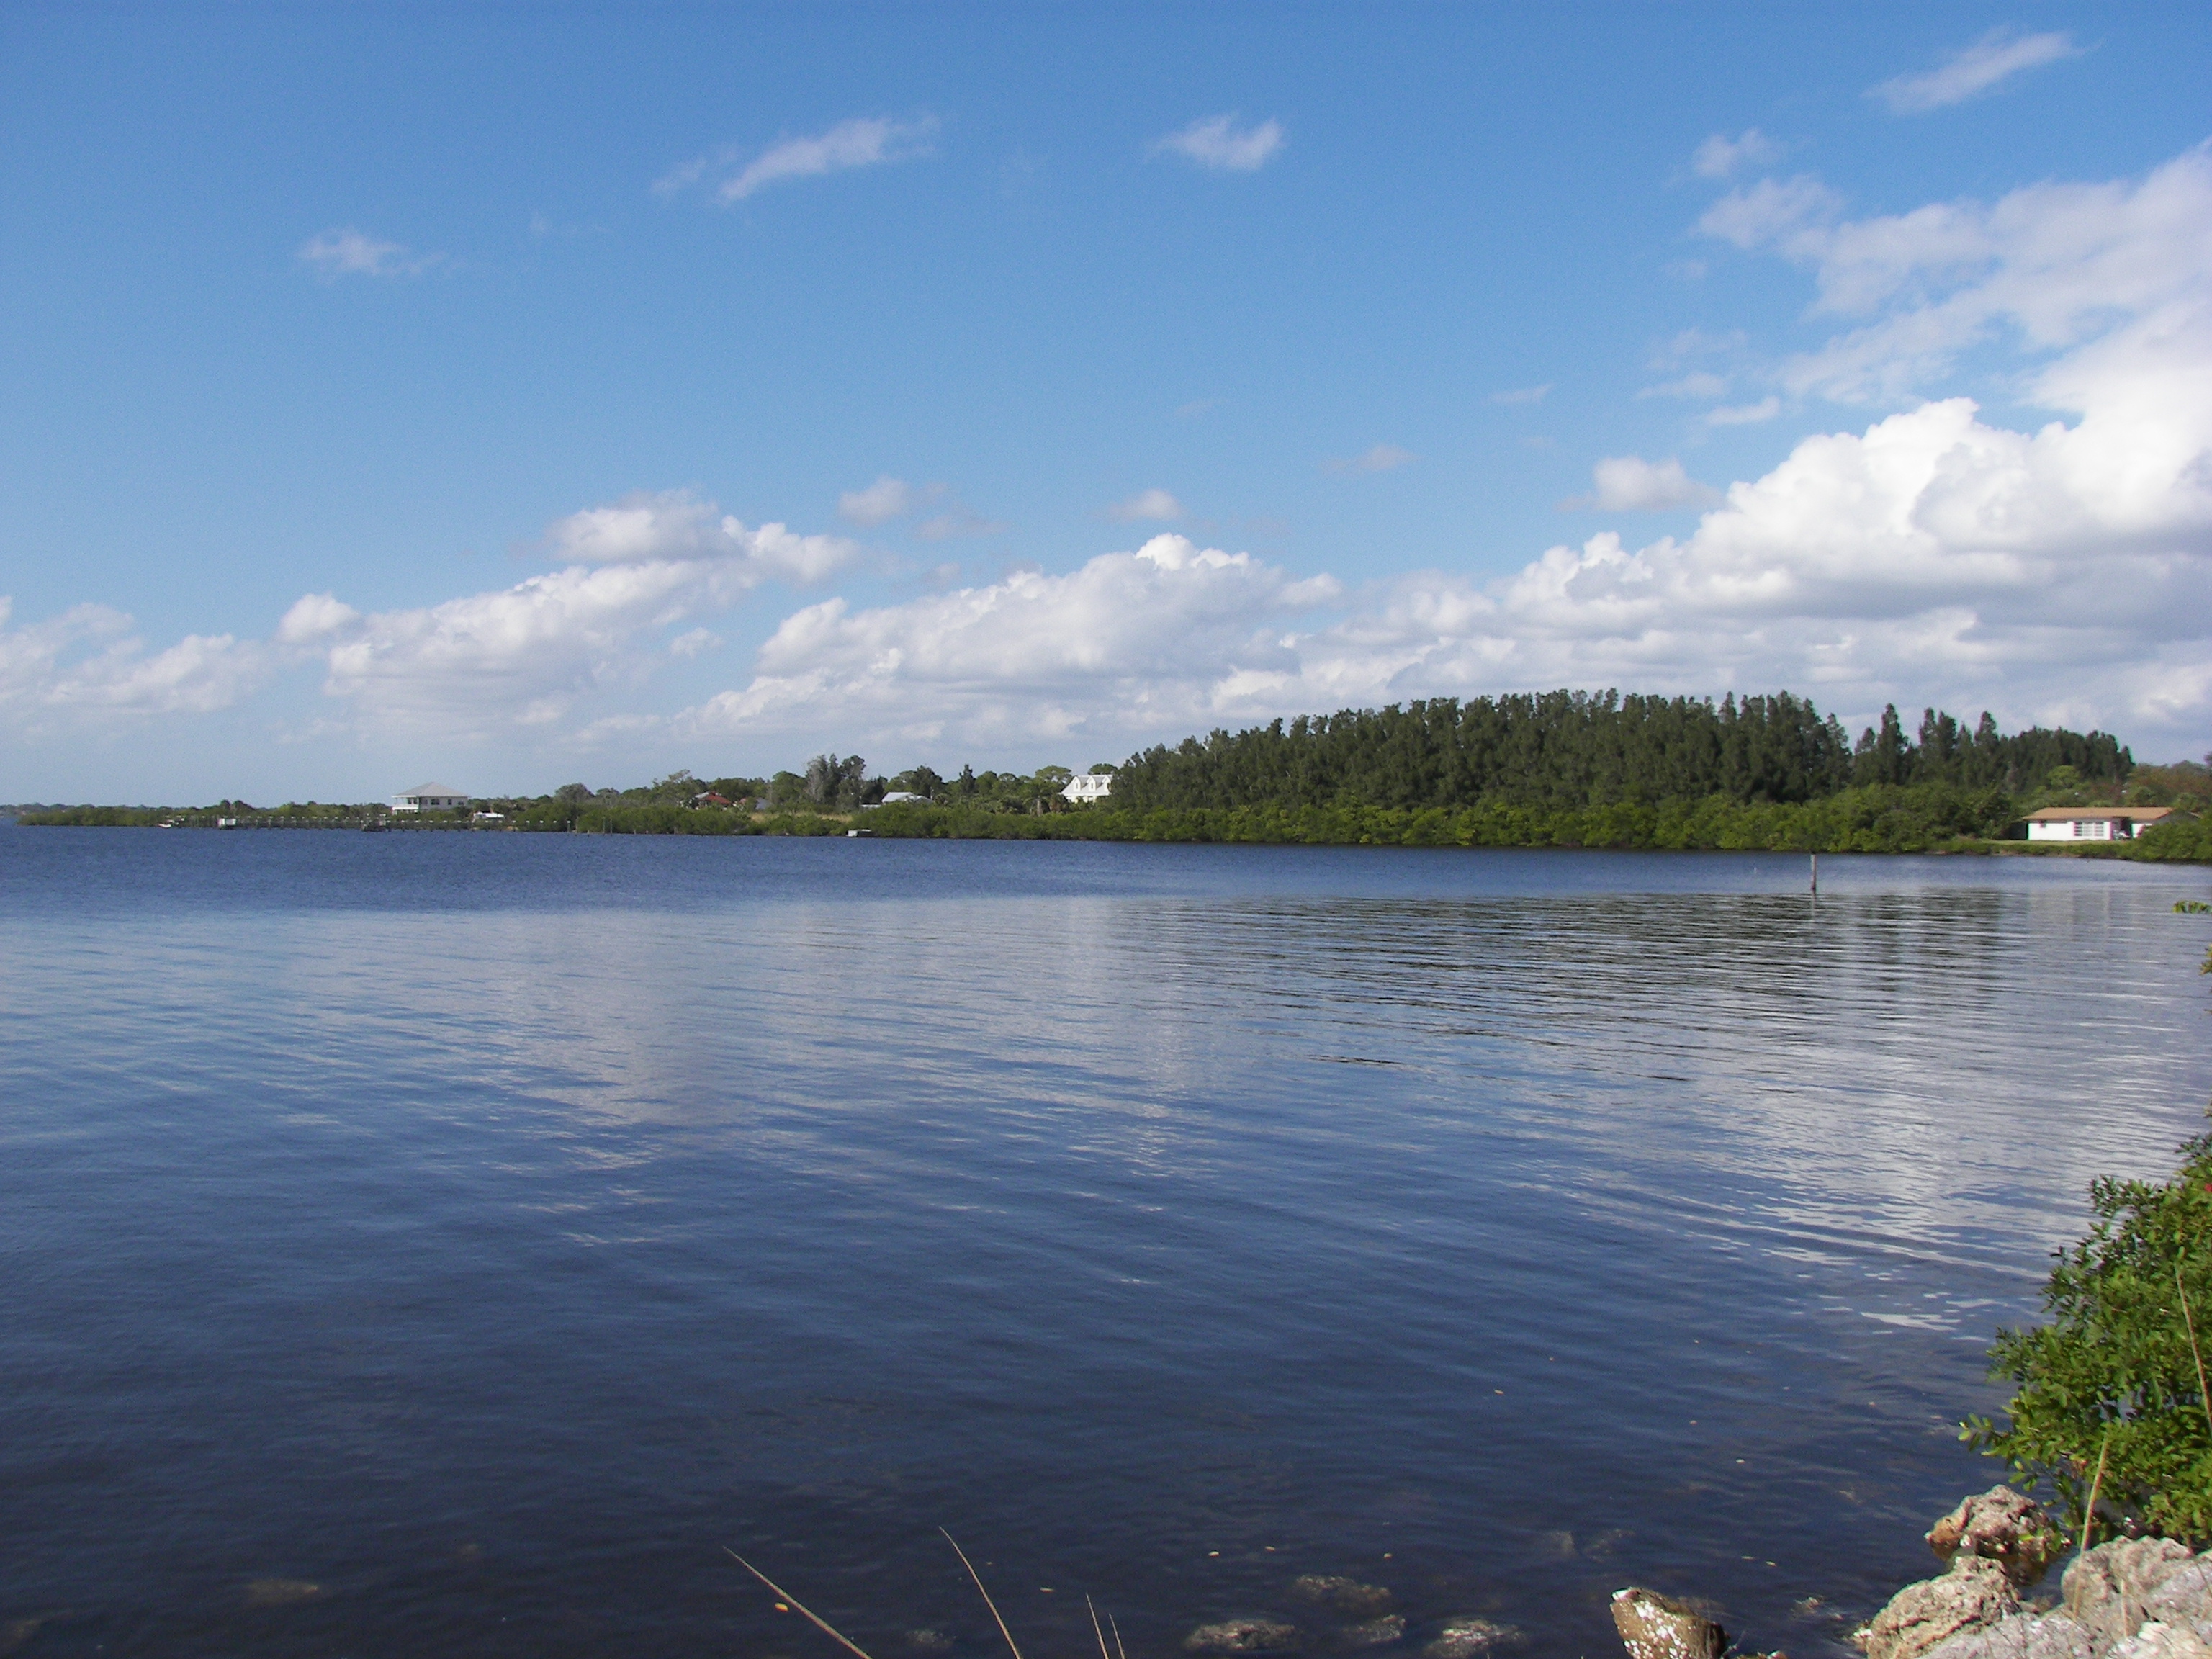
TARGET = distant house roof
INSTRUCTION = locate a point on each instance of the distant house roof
(2067, 814)
(897, 795)
(435, 789)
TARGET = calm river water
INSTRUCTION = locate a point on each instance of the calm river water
(425, 1244)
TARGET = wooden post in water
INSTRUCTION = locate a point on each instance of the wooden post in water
(1816, 874)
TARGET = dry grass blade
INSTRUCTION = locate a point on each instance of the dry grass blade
(2089, 1509)
(980, 1590)
(1095, 1629)
(783, 1595)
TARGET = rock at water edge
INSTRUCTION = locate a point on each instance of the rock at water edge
(1464, 1639)
(2023, 1636)
(2003, 1525)
(1242, 1635)
(2110, 1588)
(2160, 1641)
(1974, 1595)
(1345, 1594)
(1655, 1627)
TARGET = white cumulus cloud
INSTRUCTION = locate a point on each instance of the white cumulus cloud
(1931, 556)
(525, 656)
(88, 666)
(2058, 570)
(1217, 141)
(1994, 58)
(1127, 641)
(675, 525)
(1629, 483)
(518, 658)
(2061, 574)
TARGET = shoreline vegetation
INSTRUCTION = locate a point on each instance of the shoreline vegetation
(1566, 769)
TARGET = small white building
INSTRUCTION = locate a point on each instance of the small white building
(2093, 822)
(428, 798)
(1086, 787)
(904, 797)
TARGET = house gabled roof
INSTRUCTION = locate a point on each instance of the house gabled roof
(436, 789)
(2063, 814)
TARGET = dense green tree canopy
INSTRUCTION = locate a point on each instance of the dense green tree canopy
(1563, 749)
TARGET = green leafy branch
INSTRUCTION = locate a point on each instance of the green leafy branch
(2116, 1377)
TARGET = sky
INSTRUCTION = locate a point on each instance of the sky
(515, 395)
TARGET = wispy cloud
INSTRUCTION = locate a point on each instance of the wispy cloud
(961, 520)
(886, 499)
(890, 498)
(1217, 141)
(1771, 212)
(1383, 457)
(864, 141)
(1524, 394)
(2056, 262)
(1720, 155)
(1745, 414)
(1993, 59)
(1155, 505)
(1698, 383)
(348, 252)
(1629, 483)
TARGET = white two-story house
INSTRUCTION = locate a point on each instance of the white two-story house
(428, 798)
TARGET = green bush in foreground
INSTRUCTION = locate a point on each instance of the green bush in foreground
(2173, 843)
(2116, 1379)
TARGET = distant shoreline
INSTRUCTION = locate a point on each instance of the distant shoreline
(1870, 821)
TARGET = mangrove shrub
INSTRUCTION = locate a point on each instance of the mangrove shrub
(2115, 1383)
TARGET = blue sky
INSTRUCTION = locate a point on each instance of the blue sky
(397, 392)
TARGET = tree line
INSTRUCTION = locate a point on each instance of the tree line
(1560, 768)
(1574, 749)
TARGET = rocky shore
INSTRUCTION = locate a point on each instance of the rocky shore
(2135, 1598)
